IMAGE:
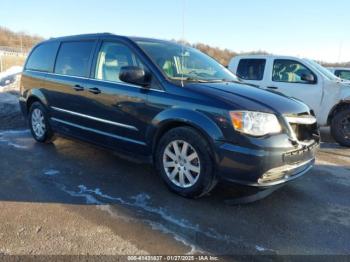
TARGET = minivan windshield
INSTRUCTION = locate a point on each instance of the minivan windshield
(324, 71)
(183, 63)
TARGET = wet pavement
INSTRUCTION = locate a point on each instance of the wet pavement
(74, 198)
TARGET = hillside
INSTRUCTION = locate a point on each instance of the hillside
(24, 41)
(18, 40)
(223, 56)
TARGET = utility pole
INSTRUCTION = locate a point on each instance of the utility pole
(21, 43)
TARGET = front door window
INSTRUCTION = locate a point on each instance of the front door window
(290, 71)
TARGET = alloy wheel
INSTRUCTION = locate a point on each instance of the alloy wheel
(181, 163)
(38, 123)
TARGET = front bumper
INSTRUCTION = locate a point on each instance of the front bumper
(265, 167)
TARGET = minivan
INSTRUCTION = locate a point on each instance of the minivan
(169, 105)
(304, 79)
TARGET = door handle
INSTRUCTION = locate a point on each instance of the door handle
(94, 90)
(78, 88)
(272, 87)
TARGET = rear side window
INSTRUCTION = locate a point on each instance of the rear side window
(251, 69)
(344, 74)
(43, 57)
(74, 58)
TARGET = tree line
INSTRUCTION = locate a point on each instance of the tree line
(19, 40)
(24, 41)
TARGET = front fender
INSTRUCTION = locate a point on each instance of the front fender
(345, 92)
(196, 119)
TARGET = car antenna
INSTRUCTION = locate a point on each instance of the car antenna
(183, 42)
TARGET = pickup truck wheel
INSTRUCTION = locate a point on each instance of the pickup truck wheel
(340, 127)
(39, 124)
(183, 159)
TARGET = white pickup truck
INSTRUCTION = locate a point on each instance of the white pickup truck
(327, 95)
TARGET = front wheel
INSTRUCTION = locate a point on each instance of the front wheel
(39, 123)
(183, 159)
(340, 127)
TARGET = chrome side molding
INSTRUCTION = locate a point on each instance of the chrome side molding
(95, 118)
(97, 131)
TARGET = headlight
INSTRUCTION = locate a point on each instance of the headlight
(255, 123)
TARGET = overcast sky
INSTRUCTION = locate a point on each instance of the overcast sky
(313, 29)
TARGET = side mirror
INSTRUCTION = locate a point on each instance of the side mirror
(310, 78)
(134, 75)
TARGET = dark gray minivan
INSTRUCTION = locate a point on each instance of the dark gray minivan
(169, 105)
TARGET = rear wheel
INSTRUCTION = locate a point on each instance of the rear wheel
(39, 124)
(183, 159)
(340, 127)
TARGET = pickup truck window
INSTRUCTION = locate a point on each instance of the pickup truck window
(73, 58)
(289, 71)
(343, 74)
(251, 69)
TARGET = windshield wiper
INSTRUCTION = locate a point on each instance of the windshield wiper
(232, 81)
(214, 80)
(191, 79)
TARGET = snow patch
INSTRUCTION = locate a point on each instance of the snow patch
(142, 201)
(10, 138)
(51, 172)
(9, 77)
(16, 145)
(90, 199)
(260, 249)
(14, 132)
(14, 70)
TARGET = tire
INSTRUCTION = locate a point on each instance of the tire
(196, 163)
(39, 123)
(340, 127)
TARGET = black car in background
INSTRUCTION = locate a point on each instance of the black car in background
(169, 105)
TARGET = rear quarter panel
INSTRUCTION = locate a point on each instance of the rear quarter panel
(31, 86)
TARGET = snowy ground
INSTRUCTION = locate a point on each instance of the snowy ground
(10, 114)
(9, 76)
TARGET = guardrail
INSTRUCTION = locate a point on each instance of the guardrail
(9, 56)
(12, 51)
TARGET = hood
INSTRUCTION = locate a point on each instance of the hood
(246, 97)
